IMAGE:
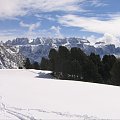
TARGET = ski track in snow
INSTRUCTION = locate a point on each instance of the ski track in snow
(12, 113)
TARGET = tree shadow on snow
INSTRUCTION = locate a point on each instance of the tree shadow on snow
(45, 75)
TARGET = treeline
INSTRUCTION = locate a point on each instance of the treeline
(74, 64)
(31, 65)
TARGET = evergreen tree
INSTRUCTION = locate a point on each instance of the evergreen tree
(27, 64)
(109, 59)
(115, 73)
(95, 59)
(78, 54)
(76, 70)
(108, 62)
(66, 69)
(53, 55)
(90, 72)
(36, 65)
(63, 53)
(44, 65)
(62, 56)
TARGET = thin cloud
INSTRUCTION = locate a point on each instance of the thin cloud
(110, 39)
(97, 3)
(106, 39)
(31, 27)
(47, 17)
(15, 8)
(92, 24)
(57, 32)
(10, 34)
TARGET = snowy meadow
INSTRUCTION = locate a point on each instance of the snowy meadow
(35, 95)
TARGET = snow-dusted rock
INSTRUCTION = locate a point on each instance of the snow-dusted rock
(9, 57)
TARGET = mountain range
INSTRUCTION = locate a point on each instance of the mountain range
(13, 52)
(37, 48)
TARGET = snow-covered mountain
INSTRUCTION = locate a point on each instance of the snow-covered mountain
(9, 57)
(37, 48)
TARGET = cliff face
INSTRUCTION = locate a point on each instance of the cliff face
(10, 58)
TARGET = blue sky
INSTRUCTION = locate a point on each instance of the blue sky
(95, 20)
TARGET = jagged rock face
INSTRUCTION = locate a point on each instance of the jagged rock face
(18, 41)
(10, 58)
(40, 47)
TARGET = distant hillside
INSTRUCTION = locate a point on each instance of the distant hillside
(10, 58)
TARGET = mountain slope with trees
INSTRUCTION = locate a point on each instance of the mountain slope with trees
(74, 64)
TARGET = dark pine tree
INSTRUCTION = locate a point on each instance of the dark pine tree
(44, 65)
(107, 62)
(95, 59)
(90, 72)
(66, 69)
(27, 64)
(36, 65)
(76, 70)
(115, 73)
(53, 56)
(63, 53)
(78, 54)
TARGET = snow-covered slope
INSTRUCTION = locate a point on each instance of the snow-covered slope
(35, 95)
(37, 48)
(9, 57)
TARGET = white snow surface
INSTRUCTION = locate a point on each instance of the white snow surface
(35, 95)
